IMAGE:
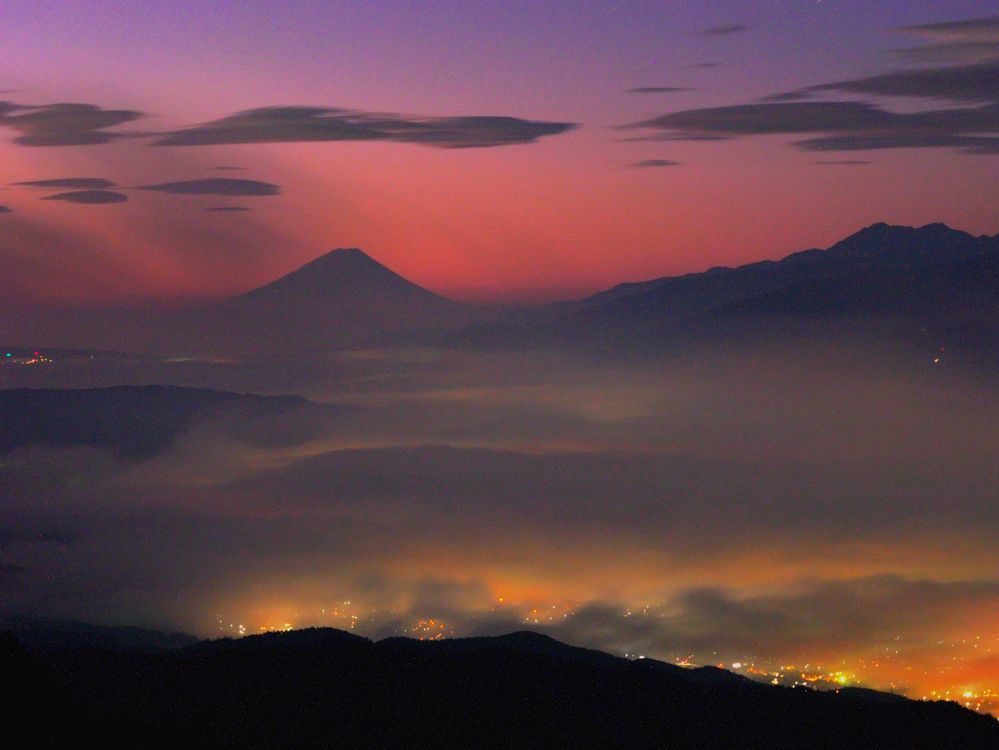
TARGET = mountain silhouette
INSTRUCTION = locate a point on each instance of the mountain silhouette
(338, 300)
(320, 688)
(932, 279)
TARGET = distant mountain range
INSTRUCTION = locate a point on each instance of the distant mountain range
(929, 283)
(321, 688)
(931, 279)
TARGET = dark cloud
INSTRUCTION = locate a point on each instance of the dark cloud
(74, 183)
(981, 146)
(645, 163)
(227, 209)
(759, 119)
(857, 126)
(724, 29)
(216, 186)
(982, 29)
(977, 82)
(787, 96)
(657, 89)
(843, 162)
(843, 125)
(298, 124)
(6, 210)
(968, 41)
(63, 124)
(90, 197)
(949, 53)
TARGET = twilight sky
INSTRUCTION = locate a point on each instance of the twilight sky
(489, 151)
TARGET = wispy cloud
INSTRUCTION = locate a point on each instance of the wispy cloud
(658, 89)
(216, 186)
(647, 163)
(298, 124)
(88, 197)
(74, 183)
(724, 29)
(63, 124)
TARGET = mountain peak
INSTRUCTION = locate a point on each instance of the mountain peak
(344, 271)
(881, 229)
(345, 253)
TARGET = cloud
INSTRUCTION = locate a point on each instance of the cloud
(645, 163)
(63, 124)
(984, 29)
(838, 125)
(6, 210)
(90, 197)
(976, 82)
(951, 53)
(787, 96)
(810, 618)
(966, 41)
(227, 209)
(804, 620)
(229, 169)
(724, 29)
(760, 119)
(75, 183)
(857, 126)
(658, 89)
(843, 162)
(302, 124)
(981, 146)
(705, 65)
(216, 186)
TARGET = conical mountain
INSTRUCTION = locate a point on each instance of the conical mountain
(340, 275)
(340, 299)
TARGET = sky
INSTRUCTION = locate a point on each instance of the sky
(826, 502)
(372, 123)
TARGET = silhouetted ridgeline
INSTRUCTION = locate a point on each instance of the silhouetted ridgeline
(914, 287)
(327, 688)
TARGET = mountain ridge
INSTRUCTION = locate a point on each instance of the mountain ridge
(320, 686)
(921, 289)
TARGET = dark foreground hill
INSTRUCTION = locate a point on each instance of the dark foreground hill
(327, 688)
